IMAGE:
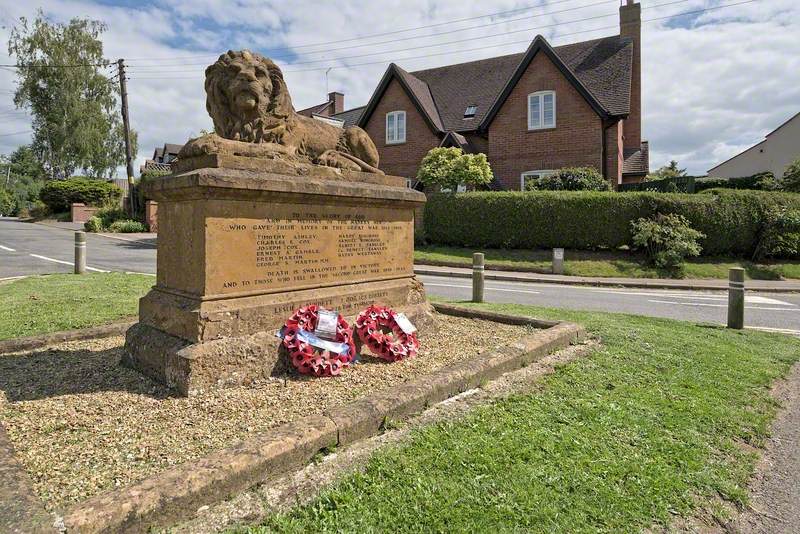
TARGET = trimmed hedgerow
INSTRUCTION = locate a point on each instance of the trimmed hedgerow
(732, 221)
(58, 195)
(764, 181)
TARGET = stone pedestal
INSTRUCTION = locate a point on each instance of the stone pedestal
(239, 250)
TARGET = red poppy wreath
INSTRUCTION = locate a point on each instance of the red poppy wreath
(306, 358)
(379, 330)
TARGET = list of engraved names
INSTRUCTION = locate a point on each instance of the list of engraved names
(309, 248)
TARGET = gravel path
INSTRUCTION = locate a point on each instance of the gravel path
(82, 424)
(775, 488)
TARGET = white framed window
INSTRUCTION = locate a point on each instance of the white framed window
(395, 127)
(542, 110)
(532, 175)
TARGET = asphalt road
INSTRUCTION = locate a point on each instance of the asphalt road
(36, 249)
(27, 248)
(771, 311)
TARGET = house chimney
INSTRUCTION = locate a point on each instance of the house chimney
(630, 25)
(338, 102)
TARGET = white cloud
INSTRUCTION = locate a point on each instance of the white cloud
(709, 90)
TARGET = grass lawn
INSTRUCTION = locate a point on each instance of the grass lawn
(41, 304)
(608, 264)
(647, 428)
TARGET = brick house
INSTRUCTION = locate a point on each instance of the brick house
(530, 113)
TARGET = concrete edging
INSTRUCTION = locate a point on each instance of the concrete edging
(175, 495)
(34, 342)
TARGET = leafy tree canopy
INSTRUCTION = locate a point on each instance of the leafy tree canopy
(63, 80)
(667, 171)
(791, 177)
(449, 167)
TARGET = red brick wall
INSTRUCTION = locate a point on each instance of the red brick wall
(151, 215)
(614, 153)
(575, 141)
(400, 159)
(81, 212)
(630, 25)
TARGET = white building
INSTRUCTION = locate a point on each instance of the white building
(780, 147)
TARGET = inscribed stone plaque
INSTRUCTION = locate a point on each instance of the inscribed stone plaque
(302, 246)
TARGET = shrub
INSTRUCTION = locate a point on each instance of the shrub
(8, 205)
(450, 167)
(39, 210)
(780, 236)
(109, 216)
(94, 224)
(791, 177)
(127, 226)
(732, 221)
(666, 239)
(58, 195)
(570, 179)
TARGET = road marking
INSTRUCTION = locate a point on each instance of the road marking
(778, 330)
(8, 278)
(67, 263)
(716, 305)
(485, 288)
(7, 248)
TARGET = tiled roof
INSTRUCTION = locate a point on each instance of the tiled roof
(602, 66)
(314, 109)
(423, 93)
(351, 116)
(172, 148)
(636, 161)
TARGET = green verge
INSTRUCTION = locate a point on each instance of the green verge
(605, 263)
(41, 304)
(647, 428)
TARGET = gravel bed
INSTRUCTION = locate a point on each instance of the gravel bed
(82, 424)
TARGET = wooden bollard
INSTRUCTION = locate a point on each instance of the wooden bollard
(477, 277)
(736, 298)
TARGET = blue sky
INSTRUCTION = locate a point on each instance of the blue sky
(714, 82)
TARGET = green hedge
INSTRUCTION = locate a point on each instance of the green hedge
(677, 184)
(58, 195)
(731, 220)
(759, 181)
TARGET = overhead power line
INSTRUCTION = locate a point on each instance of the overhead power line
(73, 66)
(508, 21)
(16, 133)
(381, 34)
(482, 47)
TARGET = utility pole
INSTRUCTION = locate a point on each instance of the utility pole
(123, 88)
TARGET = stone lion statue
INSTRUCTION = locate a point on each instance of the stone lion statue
(253, 115)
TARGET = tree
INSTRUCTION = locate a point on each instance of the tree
(569, 179)
(63, 81)
(667, 171)
(22, 177)
(791, 177)
(450, 167)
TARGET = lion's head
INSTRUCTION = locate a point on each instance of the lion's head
(244, 90)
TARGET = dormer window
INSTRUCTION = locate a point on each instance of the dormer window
(542, 110)
(470, 111)
(395, 127)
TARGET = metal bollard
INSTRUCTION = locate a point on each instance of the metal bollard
(736, 298)
(558, 261)
(80, 252)
(477, 277)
